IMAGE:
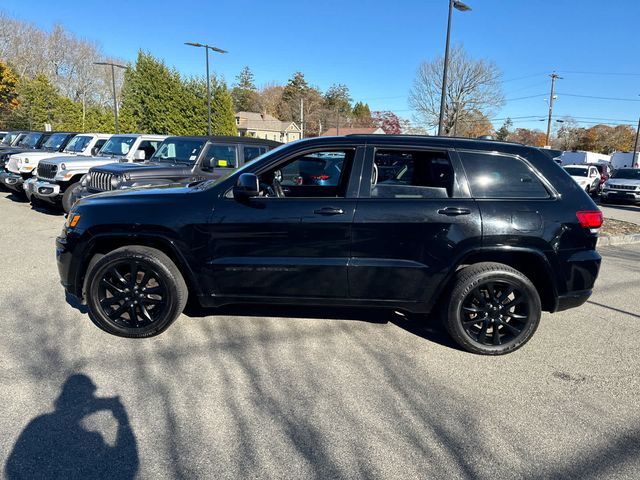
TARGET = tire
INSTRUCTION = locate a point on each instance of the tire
(67, 197)
(157, 302)
(483, 292)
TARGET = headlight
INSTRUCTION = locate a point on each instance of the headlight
(87, 177)
(83, 181)
(26, 160)
(116, 181)
(63, 166)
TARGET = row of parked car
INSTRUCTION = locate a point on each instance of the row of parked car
(57, 169)
(621, 185)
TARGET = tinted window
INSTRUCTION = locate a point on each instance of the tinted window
(222, 155)
(411, 174)
(253, 152)
(31, 140)
(628, 173)
(149, 147)
(499, 176)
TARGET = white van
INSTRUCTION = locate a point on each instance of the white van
(625, 160)
(579, 157)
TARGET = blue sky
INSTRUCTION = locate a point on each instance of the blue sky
(375, 47)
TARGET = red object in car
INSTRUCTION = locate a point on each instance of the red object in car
(320, 177)
(590, 219)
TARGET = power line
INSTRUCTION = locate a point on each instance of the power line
(625, 74)
(599, 98)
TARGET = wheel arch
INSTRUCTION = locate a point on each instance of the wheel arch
(530, 262)
(105, 243)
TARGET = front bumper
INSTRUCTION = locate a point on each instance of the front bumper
(13, 181)
(628, 195)
(45, 190)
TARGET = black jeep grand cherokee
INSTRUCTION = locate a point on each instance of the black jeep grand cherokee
(487, 233)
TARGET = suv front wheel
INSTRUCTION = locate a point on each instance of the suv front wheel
(493, 309)
(135, 292)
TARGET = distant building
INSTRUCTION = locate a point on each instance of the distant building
(263, 125)
(332, 132)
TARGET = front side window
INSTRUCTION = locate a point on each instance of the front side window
(119, 146)
(316, 174)
(224, 156)
(77, 144)
(501, 176)
(178, 150)
(55, 141)
(411, 174)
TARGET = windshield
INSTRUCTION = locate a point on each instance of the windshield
(178, 150)
(628, 173)
(577, 172)
(77, 144)
(55, 141)
(9, 138)
(118, 146)
(246, 166)
(31, 140)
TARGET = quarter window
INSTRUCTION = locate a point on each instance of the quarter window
(501, 176)
(411, 174)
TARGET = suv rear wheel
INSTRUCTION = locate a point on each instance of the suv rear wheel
(135, 292)
(493, 309)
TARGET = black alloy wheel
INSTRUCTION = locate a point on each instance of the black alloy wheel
(132, 294)
(493, 309)
(135, 292)
(495, 313)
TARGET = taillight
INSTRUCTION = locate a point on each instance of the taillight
(320, 177)
(590, 219)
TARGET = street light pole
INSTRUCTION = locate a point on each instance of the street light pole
(463, 8)
(113, 84)
(635, 145)
(206, 49)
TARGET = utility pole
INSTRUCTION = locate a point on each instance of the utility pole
(553, 76)
(113, 84)
(301, 117)
(337, 122)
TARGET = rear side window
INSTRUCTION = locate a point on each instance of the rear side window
(501, 176)
(411, 174)
(253, 152)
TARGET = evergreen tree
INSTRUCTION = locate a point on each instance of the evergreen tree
(505, 130)
(223, 118)
(8, 92)
(362, 115)
(245, 94)
(337, 99)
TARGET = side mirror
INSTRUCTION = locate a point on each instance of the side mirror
(139, 155)
(247, 187)
(94, 151)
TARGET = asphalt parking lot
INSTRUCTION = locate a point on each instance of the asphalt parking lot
(293, 393)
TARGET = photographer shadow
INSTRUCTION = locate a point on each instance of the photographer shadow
(57, 445)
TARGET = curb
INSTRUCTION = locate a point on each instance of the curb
(619, 240)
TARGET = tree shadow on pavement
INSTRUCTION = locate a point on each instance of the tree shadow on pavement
(426, 327)
(57, 445)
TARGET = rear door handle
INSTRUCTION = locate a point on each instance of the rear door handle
(329, 211)
(454, 211)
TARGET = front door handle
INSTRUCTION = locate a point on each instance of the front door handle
(454, 211)
(329, 211)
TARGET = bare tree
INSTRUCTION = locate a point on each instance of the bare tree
(472, 86)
